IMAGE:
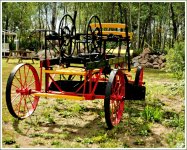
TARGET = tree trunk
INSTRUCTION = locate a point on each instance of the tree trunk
(46, 17)
(54, 16)
(39, 17)
(144, 33)
(21, 25)
(174, 24)
(160, 34)
(153, 39)
(165, 31)
(130, 17)
(6, 28)
(150, 19)
(138, 32)
(112, 12)
(79, 17)
(121, 12)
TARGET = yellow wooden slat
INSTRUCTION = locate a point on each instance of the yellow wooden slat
(122, 52)
(70, 71)
(123, 34)
(109, 25)
(125, 71)
(112, 26)
(65, 72)
(59, 96)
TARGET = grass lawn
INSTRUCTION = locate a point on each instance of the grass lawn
(157, 122)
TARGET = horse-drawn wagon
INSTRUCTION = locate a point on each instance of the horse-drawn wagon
(83, 69)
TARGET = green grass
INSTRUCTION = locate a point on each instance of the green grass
(175, 120)
(9, 141)
(176, 139)
(152, 114)
(139, 141)
(73, 124)
(38, 142)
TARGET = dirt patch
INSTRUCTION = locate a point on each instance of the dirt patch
(158, 129)
(176, 104)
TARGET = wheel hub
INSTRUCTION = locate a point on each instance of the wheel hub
(24, 91)
(117, 97)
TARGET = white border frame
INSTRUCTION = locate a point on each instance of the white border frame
(92, 1)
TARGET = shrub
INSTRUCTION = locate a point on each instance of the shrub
(176, 60)
(137, 52)
(152, 114)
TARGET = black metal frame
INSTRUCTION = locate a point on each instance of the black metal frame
(93, 60)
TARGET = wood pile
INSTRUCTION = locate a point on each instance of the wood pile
(149, 60)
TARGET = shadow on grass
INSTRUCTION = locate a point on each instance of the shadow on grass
(34, 122)
(129, 133)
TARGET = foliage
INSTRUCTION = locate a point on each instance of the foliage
(9, 141)
(176, 60)
(150, 22)
(178, 88)
(144, 130)
(152, 114)
(176, 139)
(139, 142)
(176, 120)
(17, 17)
(137, 52)
(12, 46)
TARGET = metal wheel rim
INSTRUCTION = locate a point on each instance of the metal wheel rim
(20, 102)
(67, 48)
(93, 35)
(114, 103)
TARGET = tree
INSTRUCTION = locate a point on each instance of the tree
(174, 22)
(158, 24)
(138, 32)
(54, 15)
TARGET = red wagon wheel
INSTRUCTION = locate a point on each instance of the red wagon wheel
(113, 102)
(22, 82)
